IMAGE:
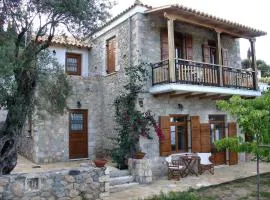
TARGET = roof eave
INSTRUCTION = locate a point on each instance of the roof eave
(181, 10)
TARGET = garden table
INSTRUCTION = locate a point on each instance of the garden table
(190, 163)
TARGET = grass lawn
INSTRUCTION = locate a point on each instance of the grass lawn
(239, 189)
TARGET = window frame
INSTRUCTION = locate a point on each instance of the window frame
(79, 63)
(221, 121)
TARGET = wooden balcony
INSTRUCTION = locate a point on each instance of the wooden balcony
(205, 77)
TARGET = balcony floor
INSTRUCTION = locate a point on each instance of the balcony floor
(202, 89)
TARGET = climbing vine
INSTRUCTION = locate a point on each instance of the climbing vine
(132, 123)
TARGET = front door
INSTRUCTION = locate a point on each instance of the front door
(78, 147)
(178, 131)
(217, 132)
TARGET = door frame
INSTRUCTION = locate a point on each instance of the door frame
(85, 129)
(185, 124)
(218, 155)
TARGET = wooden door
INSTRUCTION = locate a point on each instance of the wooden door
(178, 129)
(78, 141)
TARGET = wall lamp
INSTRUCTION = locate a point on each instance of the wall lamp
(180, 106)
(79, 104)
(140, 100)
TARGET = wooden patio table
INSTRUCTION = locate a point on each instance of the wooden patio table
(190, 163)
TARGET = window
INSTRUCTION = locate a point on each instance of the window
(217, 127)
(111, 49)
(76, 122)
(73, 64)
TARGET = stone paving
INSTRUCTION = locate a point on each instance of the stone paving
(222, 174)
(24, 165)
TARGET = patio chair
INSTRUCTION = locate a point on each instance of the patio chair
(205, 164)
(175, 168)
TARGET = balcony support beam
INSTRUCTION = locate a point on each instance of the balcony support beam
(219, 57)
(171, 48)
(253, 63)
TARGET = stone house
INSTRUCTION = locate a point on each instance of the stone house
(195, 61)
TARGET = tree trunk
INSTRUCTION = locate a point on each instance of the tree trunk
(10, 132)
(258, 176)
(258, 167)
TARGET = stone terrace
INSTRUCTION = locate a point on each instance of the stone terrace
(222, 174)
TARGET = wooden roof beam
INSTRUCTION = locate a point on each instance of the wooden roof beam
(197, 23)
(222, 97)
(180, 94)
(196, 95)
(210, 96)
(163, 94)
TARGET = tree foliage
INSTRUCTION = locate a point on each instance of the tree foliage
(262, 66)
(253, 117)
(30, 77)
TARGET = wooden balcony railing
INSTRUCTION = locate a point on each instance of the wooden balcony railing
(237, 78)
(160, 72)
(198, 73)
(191, 72)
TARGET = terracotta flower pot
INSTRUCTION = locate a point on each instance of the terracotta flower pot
(100, 162)
(139, 155)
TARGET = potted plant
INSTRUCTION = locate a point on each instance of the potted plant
(139, 155)
(100, 162)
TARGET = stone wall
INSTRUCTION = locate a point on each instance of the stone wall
(49, 140)
(111, 84)
(145, 46)
(79, 183)
(140, 170)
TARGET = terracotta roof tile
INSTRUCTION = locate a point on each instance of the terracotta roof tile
(198, 13)
(124, 12)
(69, 41)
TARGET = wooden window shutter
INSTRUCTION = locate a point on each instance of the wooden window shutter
(232, 131)
(165, 145)
(225, 55)
(189, 48)
(111, 55)
(205, 138)
(206, 53)
(164, 44)
(195, 134)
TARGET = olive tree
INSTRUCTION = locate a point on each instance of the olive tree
(23, 60)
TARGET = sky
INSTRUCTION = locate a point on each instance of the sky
(255, 14)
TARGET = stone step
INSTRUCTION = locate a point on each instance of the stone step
(118, 188)
(118, 173)
(120, 180)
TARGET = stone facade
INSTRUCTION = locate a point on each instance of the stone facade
(79, 183)
(140, 170)
(137, 40)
